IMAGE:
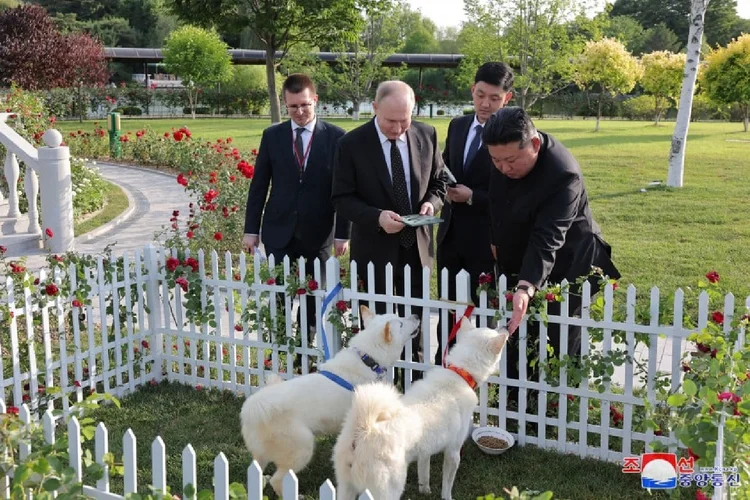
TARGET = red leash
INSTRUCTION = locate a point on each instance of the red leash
(454, 331)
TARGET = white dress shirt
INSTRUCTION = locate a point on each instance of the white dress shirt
(403, 147)
(306, 136)
(470, 137)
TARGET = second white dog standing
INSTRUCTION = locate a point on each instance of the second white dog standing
(279, 422)
(384, 431)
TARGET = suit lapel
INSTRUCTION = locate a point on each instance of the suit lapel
(415, 164)
(381, 167)
(457, 163)
(286, 143)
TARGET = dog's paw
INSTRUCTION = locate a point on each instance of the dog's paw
(425, 489)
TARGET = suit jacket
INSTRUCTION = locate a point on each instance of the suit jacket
(470, 223)
(362, 188)
(295, 205)
(542, 224)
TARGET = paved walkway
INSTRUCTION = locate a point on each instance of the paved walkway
(155, 195)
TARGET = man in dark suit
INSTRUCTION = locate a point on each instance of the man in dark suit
(386, 168)
(463, 239)
(296, 158)
(542, 227)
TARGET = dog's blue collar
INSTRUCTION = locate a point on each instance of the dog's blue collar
(335, 378)
(371, 363)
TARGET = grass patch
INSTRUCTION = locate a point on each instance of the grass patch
(661, 237)
(209, 420)
(115, 203)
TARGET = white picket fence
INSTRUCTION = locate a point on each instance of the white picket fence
(157, 342)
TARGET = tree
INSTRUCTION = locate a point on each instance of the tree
(34, 55)
(662, 78)
(629, 31)
(199, 57)
(726, 78)
(607, 64)
(679, 137)
(660, 38)
(8, 4)
(353, 77)
(530, 35)
(280, 24)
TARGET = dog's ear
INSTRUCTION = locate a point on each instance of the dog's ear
(497, 343)
(466, 325)
(366, 314)
(387, 333)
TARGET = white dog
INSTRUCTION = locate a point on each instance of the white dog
(280, 421)
(384, 431)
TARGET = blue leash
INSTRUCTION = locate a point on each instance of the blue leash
(326, 302)
(340, 381)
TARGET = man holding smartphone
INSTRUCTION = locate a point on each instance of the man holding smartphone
(464, 236)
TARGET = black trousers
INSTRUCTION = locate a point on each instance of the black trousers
(406, 256)
(533, 343)
(455, 255)
(296, 249)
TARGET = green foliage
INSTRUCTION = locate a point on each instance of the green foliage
(714, 392)
(726, 78)
(642, 107)
(45, 473)
(199, 57)
(662, 78)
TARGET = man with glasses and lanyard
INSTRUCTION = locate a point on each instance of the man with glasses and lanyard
(296, 159)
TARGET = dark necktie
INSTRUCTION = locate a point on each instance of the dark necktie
(474, 147)
(300, 150)
(408, 234)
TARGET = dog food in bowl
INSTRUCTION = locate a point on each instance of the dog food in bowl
(492, 440)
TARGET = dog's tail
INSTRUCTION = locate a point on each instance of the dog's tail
(374, 435)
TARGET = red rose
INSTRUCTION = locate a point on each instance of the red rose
(342, 306)
(189, 235)
(181, 180)
(485, 279)
(183, 283)
(210, 195)
(699, 495)
(301, 291)
(144, 343)
(718, 317)
(12, 410)
(172, 263)
(508, 295)
(712, 277)
(51, 289)
(238, 328)
(76, 303)
(550, 297)
(77, 383)
(192, 263)
(3, 249)
(49, 233)
(218, 236)
(199, 387)
(270, 281)
(178, 135)
(312, 285)
(729, 396)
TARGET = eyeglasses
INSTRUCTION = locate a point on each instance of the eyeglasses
(299, 107)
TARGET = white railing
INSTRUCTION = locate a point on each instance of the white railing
(154, 340)
(47, 174)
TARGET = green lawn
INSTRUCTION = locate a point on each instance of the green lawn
(663, 237)
(115, 203)
(209, 420)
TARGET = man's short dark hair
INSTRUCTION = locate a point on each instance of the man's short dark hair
(296, 83)
(508, 125)
(495, 73)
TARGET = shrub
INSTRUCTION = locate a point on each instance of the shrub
(640, 108)
(468, 111)
(440, 112)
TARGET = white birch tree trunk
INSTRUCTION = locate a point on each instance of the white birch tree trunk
(679, 138)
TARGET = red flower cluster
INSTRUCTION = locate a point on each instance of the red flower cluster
(51, 289)
(181, 180)
(342, 306)
(712, 277)
(17, 268)
(717, 317)
(183, 283)
(485, 279)
(172, 264)
(246, 169)
(312, 285)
